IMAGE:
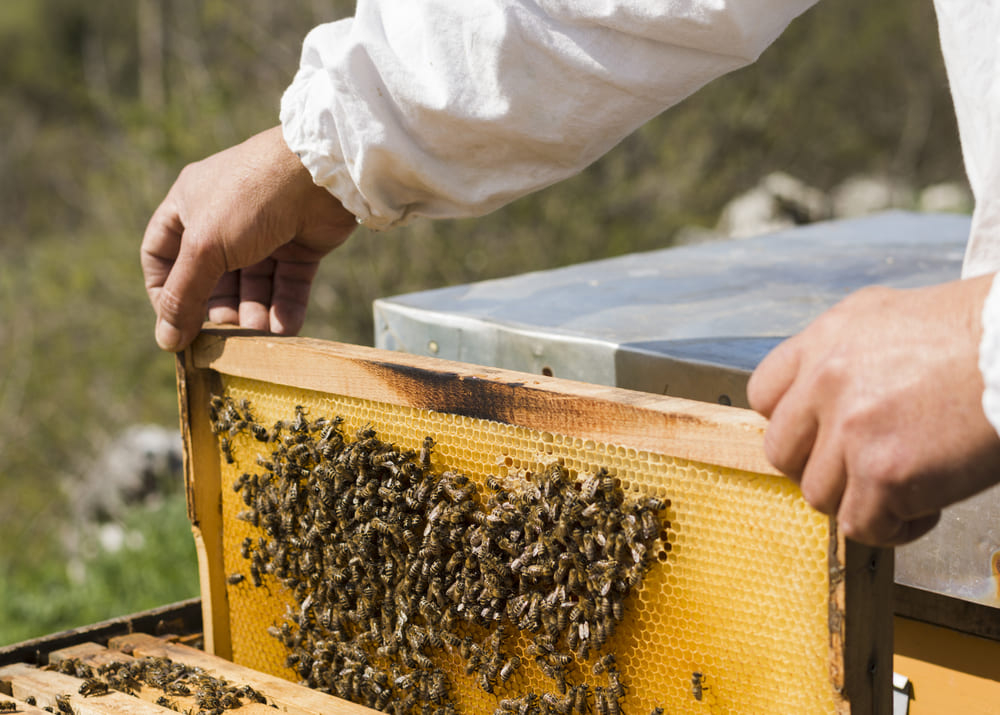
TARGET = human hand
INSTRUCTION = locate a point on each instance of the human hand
(876, 409)
(239, 238)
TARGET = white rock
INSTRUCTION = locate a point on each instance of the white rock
(862, 195)
(949, 197)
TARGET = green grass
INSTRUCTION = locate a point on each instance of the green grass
(156, 566)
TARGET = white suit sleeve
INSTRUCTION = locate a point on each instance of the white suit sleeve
(969, 31)
(445, 109)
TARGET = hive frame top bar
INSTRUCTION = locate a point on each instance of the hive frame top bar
(697, 431)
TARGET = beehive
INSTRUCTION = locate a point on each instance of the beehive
(752, 604)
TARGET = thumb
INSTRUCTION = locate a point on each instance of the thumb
(182, 302)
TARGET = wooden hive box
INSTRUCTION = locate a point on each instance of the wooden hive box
(752, 602)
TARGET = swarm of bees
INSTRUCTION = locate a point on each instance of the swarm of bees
(212, 695)
(391, 563)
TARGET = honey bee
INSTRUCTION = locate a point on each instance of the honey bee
(436, 688)
(250, 516)
(508, 668)
(425, 453)
(235, 578)
(615, 688)
(539, 571)
(697, 685)
(300, 424)
(605, 663)
(227, 450)
(588, 490)
(215, 407)
(528, 704)
(406, 681)
(422, 660)
(208, 701)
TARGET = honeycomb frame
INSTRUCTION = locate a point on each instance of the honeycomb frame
(837, 628)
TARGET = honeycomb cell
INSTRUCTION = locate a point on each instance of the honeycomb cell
(737, 591)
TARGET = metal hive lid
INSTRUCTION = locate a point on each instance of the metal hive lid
(691, 321)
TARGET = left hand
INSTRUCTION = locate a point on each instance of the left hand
(876, 409)
(239, 238)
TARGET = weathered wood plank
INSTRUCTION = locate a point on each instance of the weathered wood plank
(46, 686)
(90, 653)
(20, 707)
(698, 431)
(860, 621)
(96, 655)
(288, 697)
(953, 613)
(204, 500)
(183, 617)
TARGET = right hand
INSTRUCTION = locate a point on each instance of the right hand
(876, 409)
(238, 239)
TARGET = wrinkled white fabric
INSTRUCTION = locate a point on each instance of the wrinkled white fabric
(970, 41)
(448, 108)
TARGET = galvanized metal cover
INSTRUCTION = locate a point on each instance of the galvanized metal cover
(694, 321)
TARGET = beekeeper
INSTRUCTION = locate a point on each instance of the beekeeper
(885, 409)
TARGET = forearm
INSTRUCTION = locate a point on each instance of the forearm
(448, 110)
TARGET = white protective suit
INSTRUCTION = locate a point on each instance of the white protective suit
(451, 108)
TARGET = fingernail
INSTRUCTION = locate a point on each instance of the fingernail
(168, 337)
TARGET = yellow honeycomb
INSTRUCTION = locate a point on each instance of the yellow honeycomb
(738, 592)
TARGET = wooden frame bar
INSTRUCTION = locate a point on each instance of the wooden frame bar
(860, 615)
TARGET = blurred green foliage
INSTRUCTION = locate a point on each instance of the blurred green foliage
(155, 566)
(104, 103)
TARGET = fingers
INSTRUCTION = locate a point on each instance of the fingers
(824, 476)
(772, 378)
(270, 296)
(777, 390)
(790, 435)
(182, 302)
(290, 297)
(871, 515)
(255, 295)
(224, 305)
(160, 245)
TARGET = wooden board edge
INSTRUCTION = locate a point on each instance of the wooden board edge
(956, 614)
(286, 695)
(181, 617)
(860, 623)
(204, 500)
(698, 431)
